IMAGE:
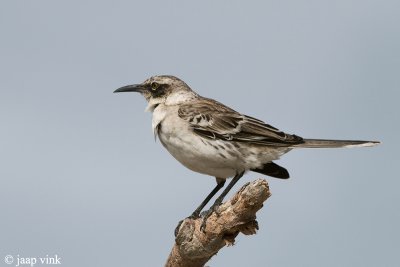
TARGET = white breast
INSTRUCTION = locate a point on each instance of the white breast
(159, 114)
(188, 148)
(216, 158)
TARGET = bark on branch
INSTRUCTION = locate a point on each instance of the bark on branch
(193, 248)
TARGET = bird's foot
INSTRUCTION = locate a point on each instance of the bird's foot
(206, 214)
(193, 217)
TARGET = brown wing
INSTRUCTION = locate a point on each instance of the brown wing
(211, 119)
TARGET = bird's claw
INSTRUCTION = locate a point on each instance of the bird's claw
(204, 221)
(192, 217)
(206, 214)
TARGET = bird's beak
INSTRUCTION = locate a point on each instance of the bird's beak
(131, 88)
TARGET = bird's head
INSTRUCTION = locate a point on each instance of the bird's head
(162, 89)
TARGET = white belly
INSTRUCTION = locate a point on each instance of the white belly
(216, 158)
(198, 157)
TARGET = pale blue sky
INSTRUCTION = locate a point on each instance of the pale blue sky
(82, 177)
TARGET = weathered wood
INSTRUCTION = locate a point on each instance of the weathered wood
(193, 248)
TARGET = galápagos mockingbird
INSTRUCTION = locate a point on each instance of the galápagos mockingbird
(213, 139)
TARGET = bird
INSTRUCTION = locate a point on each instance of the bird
(211, 138)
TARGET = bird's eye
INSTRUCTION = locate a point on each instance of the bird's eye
(154, 86)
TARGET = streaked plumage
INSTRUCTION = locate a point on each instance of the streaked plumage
(211, 138)
(211, 119)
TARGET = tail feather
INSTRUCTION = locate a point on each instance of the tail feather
(324, 143)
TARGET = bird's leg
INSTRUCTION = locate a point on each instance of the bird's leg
(220, 184)
(196, 213)
(219, 200)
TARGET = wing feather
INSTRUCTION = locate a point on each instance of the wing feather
(211, 119)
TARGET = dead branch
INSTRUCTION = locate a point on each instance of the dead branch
(193, 248)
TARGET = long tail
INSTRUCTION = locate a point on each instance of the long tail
(323, 143)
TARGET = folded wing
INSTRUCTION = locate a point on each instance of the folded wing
(211, 119)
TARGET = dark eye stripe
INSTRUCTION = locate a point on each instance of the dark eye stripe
(159, 90)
